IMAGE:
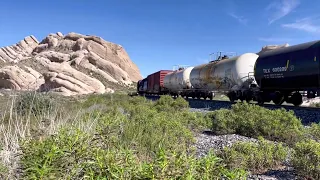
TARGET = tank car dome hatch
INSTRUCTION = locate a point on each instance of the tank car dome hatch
(272, 47)
(178, 80)
(289, 49)
(226, 74)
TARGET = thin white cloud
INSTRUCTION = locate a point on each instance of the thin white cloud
(241, 19)
(281, 8)
(308, 24)
(274, 39)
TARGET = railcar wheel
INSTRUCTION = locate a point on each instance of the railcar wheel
(248, 96)
(278, 99)
(232, 96)
(260, 100)
(242, 98)
(296, 99)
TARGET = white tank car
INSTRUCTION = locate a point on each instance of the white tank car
(178, 80)
(225, 74)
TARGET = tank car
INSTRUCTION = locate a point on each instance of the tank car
(178, 82)
(232, 76)
(283, 74)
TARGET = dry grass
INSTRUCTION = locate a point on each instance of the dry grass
(15, 128)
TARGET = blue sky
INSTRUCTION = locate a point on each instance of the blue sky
(158, 34)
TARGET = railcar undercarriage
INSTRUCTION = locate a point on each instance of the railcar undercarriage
(276, 96)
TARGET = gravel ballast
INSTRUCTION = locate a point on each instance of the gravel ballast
(206, 142)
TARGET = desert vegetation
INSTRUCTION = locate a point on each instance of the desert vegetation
(115, 136)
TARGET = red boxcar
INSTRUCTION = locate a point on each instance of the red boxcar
(155, 82)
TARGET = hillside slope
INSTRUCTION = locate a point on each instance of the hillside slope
(70, 64)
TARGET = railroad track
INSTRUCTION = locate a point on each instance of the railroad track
(306, 114)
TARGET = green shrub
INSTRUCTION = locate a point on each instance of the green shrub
(115, 100)
(171, 165)
(132, 139)
(256, 157)
(168, 104)
(314, 131)
(253, 121)
(145, 129)
(75, 154)
(107, 99)
(306, 159)
(34, 103)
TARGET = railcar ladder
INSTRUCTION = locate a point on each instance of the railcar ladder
(248, 76)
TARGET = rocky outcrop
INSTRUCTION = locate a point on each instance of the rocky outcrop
(19, 51)
(72, 64)
(14, 77)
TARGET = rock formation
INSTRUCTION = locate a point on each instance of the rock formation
(71, 64)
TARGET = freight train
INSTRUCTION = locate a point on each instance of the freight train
(283, 74)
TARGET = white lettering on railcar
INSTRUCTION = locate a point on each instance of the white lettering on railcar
(275, 70)
(266, 70)
(273, 76)
(279, 69)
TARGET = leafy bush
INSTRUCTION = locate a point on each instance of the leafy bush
(168, 104)
(253, 121)
(145, 129)
(34, 103)
(76, 154)
(306, 159)
(132, 139)
(256, 157)
(314, 131)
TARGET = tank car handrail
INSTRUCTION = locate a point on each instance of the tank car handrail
(248, 76)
